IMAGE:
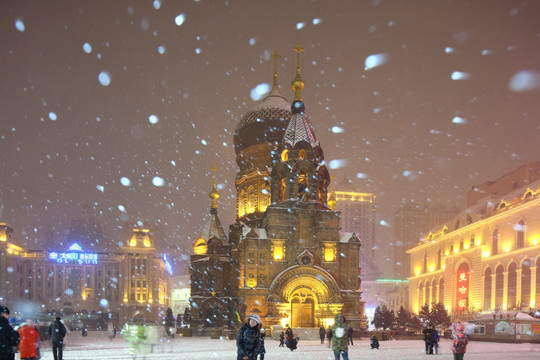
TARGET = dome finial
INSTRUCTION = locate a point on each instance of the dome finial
(214, 195)
(298, 84)
(275, 88)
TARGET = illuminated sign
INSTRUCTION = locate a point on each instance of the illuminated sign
(462, 295)
(74, 255)
(168, 265)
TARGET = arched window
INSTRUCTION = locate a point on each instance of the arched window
(282, 187)
(424, 265)
(487, 289)
(495, 242)
(520, 234)
(439, 259)
(499, 287)
(285, 155)
(526, 284)
(512, 284)
(302, 154)
(302, 184)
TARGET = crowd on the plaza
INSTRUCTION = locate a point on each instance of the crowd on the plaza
(250, 340)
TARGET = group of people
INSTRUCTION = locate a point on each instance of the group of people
(460, 339)
(27, 338)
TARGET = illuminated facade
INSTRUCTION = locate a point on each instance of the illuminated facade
(487, 258)
(285, 258)
(130, 281)
(358, 216)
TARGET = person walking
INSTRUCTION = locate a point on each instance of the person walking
(436, 339)
(350, 333)
(9, 338)
(339, 338)
(428, 339)
(282, 339)
(329, 336)
(322, 334)
(57, 331)
(248, 339)
(262, 349)
(459, 341)
(29, 341)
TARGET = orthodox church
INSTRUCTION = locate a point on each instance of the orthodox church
(285, 258)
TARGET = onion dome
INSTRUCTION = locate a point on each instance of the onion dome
(265, 122)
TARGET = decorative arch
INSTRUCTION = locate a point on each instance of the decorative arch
(526, 279)
(495, 242)
(297, 277)
(499, 286)
(512, 285)
(520, 234)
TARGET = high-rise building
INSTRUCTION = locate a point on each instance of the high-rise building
(358, 215)
(411, 221)
(285, 258)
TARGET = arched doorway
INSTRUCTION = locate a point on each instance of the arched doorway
(303, 308)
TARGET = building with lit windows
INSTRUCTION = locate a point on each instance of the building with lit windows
(488, 257)
(358, 215)
(411, 222)
(126, 283)
(285, 257)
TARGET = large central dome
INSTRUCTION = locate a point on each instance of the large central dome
(264, 123)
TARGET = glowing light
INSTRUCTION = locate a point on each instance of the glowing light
(200, 247)
(316, 21)
(52, 116)
(162, 49)
(125, 181)
(337, 163)
(300, 25)
(252, 41)
(337, 130)
(449, 50)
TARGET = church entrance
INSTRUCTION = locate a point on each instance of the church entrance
(302, 312)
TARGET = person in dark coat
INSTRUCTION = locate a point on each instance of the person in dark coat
(248, 339)
(262, 349)
(9, 338)
(350, 333)
(374, 342)
(282, 339)
(322, 334)
(57, 331)
(329, 336)
(428, 339)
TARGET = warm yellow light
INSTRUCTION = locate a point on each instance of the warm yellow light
(504, 306)
(444, 266)
(150, 301)
(431, 269)
(447, 253)
(147, 242)
(285, 155)
(329, 252)
(251, 283)
(284, 322)
(535, 241)
(456, 250)
(486, 254)
(478, 242)
(466, 246)
(532, 304)
(278, 251)
(507, 248)
(200, 247)
(417, 271)
(125, 300)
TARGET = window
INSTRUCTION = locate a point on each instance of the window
(424, 266)
(495, 242)
(520, 234)
(439, 259)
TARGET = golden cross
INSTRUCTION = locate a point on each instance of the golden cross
(298, 50)
(214, 169)
(275, 56)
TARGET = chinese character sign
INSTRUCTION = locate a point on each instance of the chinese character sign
(462, 294)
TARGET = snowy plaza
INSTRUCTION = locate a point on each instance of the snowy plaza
(98, 346)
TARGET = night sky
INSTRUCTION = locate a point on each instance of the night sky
(125, 106)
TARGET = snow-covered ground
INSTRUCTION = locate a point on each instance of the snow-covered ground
(96, 346)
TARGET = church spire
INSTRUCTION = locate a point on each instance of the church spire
(332, 197)
(298, 84)
(275, 87)
(214, 195)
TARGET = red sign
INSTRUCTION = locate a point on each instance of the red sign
(462, 298)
